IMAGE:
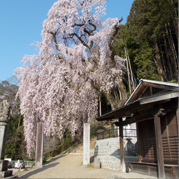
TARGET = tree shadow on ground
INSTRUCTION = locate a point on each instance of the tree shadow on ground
(46, 166)
(54, 159)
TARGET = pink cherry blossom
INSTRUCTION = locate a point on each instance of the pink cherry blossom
(60, 85)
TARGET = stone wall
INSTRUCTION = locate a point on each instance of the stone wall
(107, 154)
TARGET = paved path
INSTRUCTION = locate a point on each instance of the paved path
(70, 166)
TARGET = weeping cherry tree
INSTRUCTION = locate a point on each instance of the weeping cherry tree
(75, 64)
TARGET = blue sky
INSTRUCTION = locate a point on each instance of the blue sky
(21, 24)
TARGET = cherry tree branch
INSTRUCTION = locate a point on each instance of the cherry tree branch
(56, 45)
(91, 31)
(80, 25)
(79, 38)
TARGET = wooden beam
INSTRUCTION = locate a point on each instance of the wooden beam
(137, 118)
(159, 148)
(160, 97)
(149, 115)
(121, 147)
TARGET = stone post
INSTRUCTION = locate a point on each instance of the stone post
(39, 145)
(3, 137)
(86, 143)
(4, 119)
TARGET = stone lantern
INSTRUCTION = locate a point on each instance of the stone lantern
(4, 119)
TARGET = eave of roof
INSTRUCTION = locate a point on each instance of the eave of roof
(133, 106)
(161, 83)
(144, 82)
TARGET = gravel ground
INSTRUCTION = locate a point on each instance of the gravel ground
(70, 166)
(66, 166)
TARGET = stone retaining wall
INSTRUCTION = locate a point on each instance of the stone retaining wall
(107, 154)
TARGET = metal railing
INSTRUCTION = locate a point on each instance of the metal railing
(112, 133)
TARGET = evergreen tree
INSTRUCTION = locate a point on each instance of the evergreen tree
(15, 144)
(152, 39)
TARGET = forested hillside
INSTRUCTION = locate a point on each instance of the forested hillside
(150, 39)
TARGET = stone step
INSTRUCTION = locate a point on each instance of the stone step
(76, 154)
(81, 152)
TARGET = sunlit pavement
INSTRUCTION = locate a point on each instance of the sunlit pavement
(15, 170)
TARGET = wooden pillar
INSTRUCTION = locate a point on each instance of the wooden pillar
(159, 148)
(177, 114)
(139, 143)
(121, 147)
